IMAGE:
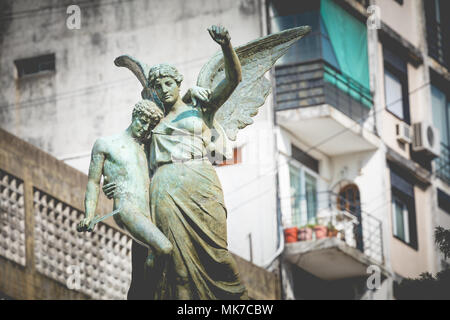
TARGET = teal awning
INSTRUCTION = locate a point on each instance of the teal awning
(348, 37)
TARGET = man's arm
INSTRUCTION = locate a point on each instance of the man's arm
(93, 185)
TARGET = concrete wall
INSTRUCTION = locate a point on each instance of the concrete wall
(38, 169)
(391, 11)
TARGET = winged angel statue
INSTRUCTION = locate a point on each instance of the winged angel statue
(186, 198)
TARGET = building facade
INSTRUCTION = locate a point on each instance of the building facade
(362, 111)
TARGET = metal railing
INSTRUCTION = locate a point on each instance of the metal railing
(436, 35)
(442, 168)
(355, 227)
(313, 83)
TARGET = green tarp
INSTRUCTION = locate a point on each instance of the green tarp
(348, 37)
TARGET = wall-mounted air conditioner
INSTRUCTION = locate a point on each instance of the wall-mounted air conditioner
(426, 139)
(403, 132)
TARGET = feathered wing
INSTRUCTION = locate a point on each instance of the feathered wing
(141, 71)
(256, 58)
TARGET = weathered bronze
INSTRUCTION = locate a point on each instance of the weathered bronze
(122, 160)
(186, 198)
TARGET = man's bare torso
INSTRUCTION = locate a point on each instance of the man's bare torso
(126, 165)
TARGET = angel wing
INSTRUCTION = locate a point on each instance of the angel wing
(256, 58)
(141, 71)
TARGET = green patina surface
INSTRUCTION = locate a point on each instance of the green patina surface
(160, 170)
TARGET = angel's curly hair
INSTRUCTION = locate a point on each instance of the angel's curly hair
(148, 110)
(164, 70)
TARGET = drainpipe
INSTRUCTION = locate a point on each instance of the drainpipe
(280, 236)
(264, 8)
(372, 50)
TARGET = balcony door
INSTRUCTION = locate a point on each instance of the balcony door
(349, 201)
(303, 195)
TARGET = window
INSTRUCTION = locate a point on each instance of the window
(441, 114)
(403, 209)
(438, 30)
(303, 195)
(396, 86)
(35, 65)
(305, 159)
(400, 2)
(443, 200)
(400, 219)
(237, 158)
(349, 200)
(440, 104)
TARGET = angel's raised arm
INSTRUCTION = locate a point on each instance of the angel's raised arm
(233, 72)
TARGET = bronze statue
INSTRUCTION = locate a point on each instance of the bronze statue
(122, 160)
(186, 198)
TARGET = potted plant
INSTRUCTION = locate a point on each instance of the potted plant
(320, 231)
(305, 233)
(291, 234)
(332, 232)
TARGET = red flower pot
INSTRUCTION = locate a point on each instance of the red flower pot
(305, 234)
(332, 233)
(321, 232)
(290, 234)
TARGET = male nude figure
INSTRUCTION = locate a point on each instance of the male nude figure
(123, 162)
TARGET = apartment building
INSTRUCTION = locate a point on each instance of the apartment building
(362, 110)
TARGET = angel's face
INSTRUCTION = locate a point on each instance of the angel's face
(167, 90)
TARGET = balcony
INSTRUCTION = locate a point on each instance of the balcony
(346, 252)
(437, 34)
(314, 95)
(442, 170)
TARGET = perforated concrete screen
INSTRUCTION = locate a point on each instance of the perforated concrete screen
(100, 261)
(12, 218)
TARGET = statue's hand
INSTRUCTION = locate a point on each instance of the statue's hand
(200, 93)
(219, 34)
(109, 189)
(85, 225)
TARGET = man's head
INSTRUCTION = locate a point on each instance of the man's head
(146, 115)
(165, 80)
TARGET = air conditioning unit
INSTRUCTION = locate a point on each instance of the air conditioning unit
(426, 139)
(403, 132)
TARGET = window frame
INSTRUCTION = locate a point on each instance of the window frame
(36, 65)
(402, 77)
(411, 217)
(303, 170)
(237, 158)
(347, 204)
(446, 94)
(437, 37)
(404, 217)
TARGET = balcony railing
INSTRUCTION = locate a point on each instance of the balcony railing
(443, 164)
(437, 34)
(357, 228)
(314, 83)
